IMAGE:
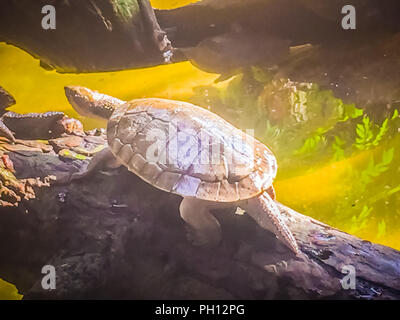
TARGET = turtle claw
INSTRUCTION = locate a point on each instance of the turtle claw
(282, 264)
(277, 267)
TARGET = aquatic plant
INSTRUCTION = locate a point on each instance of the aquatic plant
(308, 128)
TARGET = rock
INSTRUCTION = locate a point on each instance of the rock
(67, 142)
(32, 125)
(68, 126)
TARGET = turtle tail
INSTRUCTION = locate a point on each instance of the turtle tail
(92, 104)
(265, 212)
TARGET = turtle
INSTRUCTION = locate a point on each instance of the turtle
(6, 100)
(190, 151)
(33, 125)
(236, 51)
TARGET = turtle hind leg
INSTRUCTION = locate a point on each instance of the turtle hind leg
(267, 215)
(204, 228)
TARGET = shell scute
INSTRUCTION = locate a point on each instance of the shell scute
(151, 171)
(125, 154)
(208, 190)
(228, 192)
(130, 126)
(187, 186)
(181, 151)
(247, 188)
(116, 145)
(137, 163)
(167, 180)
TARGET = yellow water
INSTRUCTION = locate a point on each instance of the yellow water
(313, 191)
(38, 90)
(170, 4)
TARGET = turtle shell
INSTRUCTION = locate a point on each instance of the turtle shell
(185, 149)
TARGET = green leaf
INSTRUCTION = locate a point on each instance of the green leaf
(374, 170)
(381, 229)
(338, 149)
(382, 131)
(387, 156)
(394, 190)
(311, 144)
(127, 10)
(364, 134)
(395, 114)
(359, 222)
(351, 112)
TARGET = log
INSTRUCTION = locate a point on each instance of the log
(89, 36)
(111, 235)
(300, 21)
(109, 35)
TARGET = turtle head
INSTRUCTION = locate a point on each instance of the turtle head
(6, 99)
(90, 103)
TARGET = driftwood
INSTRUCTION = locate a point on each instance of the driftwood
(90, 36)
(300, 21)
(104, 35)
(112, 235)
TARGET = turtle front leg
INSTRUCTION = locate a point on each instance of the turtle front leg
(101, 159)
(204, 227)
(267, 215)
